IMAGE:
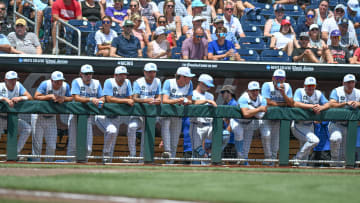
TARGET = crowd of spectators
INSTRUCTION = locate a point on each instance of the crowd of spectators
(201, 29)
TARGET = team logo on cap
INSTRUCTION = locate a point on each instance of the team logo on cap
(59, 75)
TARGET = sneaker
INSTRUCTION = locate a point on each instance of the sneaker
(105, 161)
(166, 155)
(130, 160)
(53, 51)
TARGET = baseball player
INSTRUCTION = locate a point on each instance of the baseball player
(344, 96)
(178, 90)
(201, 128)
(55, 90)
(116, 90)
(147, 89)
(252, 104)
(307, 98)
(276, 93)
(84, 89)
(12, 92)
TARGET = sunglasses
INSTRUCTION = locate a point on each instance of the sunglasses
(311, 86)
(339, 10)
(106, 22)
(310, 16)
(19, 25)
(315, 29)
(3, 9)
(222, 34)
(133, 6)
(199, 36)
(279, 78)
(304, 38)
(88, 73)
(222, 92)
(170, 6)
(162, 22)
(219, 23)
(129, 26)
(229, 9)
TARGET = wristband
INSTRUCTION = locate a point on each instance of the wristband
(91, 98)
(24, 98)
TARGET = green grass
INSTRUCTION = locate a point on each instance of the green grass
(201, 184)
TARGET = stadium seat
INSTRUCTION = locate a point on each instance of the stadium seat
(82, 25)
(266, 9)
(252, 31)
(248, 54)
(292, 21)
(333, 3)
(176, 53)
(255, 43)
(274, 55)
(180, 40)
(253, 20)
(292, 10)
(85, 28)
(90, 44)
(144, 52)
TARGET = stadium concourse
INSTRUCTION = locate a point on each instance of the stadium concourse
(224, 45)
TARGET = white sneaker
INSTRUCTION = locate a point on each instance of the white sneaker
(166, 155)
(54, 51)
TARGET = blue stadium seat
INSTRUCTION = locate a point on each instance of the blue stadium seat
(266, 9)
(90, 44)
(292, 10)
(82, 25)
(253, 31)
(180, 40)
(292, 20)
(253, 20)
(333, 3)
(301, 20)
(85, 28)
(248, 54)
(255, 43)
(144, 52)
(116, 27)
(274, 55)
(176, 53)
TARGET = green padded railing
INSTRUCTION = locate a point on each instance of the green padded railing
(285, 115)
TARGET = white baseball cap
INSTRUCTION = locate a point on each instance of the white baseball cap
(150, 67)
(87, 68)
(310, 81)
(121, 70)
(207, 80)
(353, 5)
(185, 71)
(279, 73)
(196, 18)
(349, 77)
(11, 75)
(254, 85)
(160, 30)
(57, 75)
(314, 26)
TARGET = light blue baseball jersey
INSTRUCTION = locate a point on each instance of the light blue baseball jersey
(92, 90)
(145, 90)
(244, 101)
(268, 91)
(45, 88)
(174, 91)
(316, 98)
(339, 95)
(111, 88)
(18, 90)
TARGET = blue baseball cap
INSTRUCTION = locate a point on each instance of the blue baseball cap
(197, 3)
(207, 80)
(279, 7)
(335, 33)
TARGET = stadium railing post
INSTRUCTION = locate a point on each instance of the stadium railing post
(351, 144)
(216, 141)
(284, 142)
(81, 138)
(12, 127)
(149, 141)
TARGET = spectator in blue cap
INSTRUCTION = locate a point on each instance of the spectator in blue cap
(339, 54)
(353, 12)
(348, 40)
(187, 22)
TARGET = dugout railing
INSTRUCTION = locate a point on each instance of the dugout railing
(150, 112)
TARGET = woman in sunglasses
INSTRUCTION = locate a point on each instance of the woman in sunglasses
(135, 9)
(159, 47)
(323, 12)
(284, 40)
(323, 52)
(173, 22)
(222, 49)
(104, 37)
(309, 20)
(138, 32)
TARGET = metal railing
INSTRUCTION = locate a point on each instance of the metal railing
(15, 14)
(60, 22)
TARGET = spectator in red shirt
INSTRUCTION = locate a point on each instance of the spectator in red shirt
(356, 58)
(65, 10)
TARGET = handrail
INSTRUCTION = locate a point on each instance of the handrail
(15, 13)
(63, 40)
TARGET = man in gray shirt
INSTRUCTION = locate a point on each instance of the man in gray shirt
(195, 47)
(24, 42)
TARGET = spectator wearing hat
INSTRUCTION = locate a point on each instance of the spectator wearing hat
(222, 49)
(285, 39)
(309, 20)
(195, 47)
(23, 41)
(117, 12)
(187, 22)
(160, 46)
(348, 40)
(208, 11)
(323, 52)
(178, 90)
(64, 10)
(331, 24)
(218, 22)
(38, 6)
(84, 89)
(353, 12)
(197, 22)
(179, 8)
(273, 25)
(231, 23)
(322, 12)
(126, 44)
(304, 53)
(340, 54)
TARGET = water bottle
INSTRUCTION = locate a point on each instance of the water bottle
(100, 105)
(232, 56)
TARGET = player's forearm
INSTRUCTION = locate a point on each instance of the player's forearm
(337, 105)
(118, 100)
(303, 106)
(198, 102)
(78, 98)
(249, 113)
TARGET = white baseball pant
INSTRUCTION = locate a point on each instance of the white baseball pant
(135, 124)
(110, 127)
(270, 133)
(170, 132)
(244, 129)
(43, 125)
(304, 132)
(198, 133)
(72, 123)
(24, 130)
(338, 132)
